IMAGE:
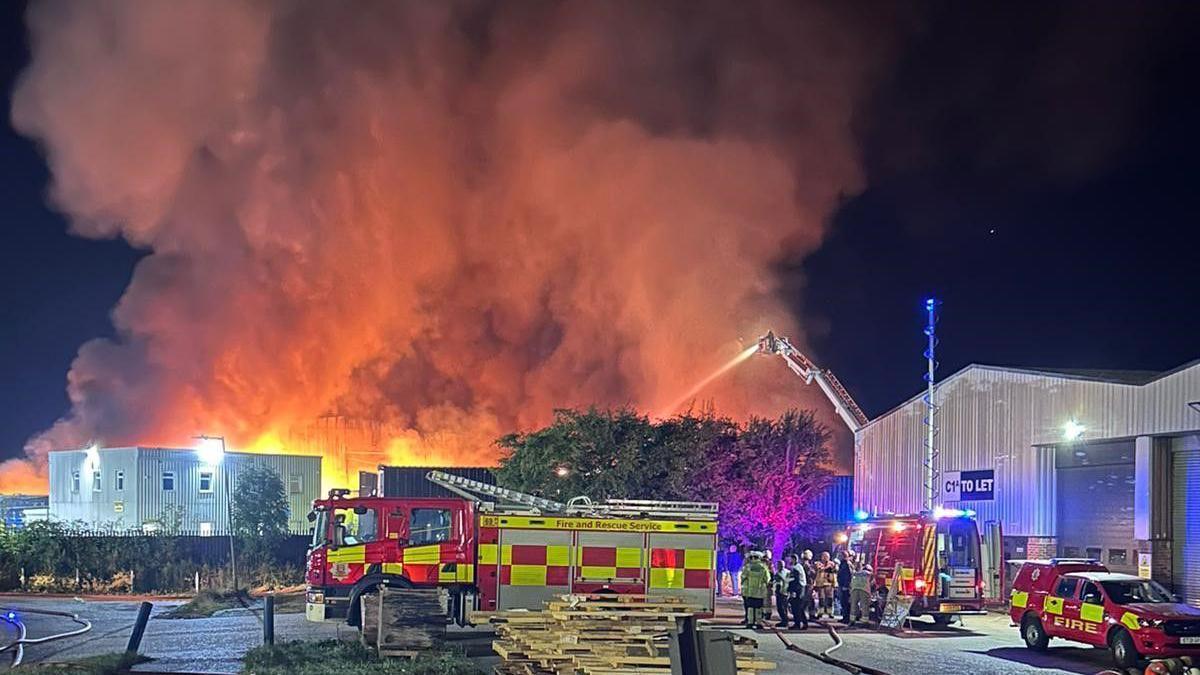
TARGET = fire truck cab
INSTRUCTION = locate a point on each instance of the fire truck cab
(1080, 600)
(500, 549)
(939, 559)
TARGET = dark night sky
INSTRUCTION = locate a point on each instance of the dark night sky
(1034, 167)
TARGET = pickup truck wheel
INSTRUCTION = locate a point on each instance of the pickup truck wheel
(1124, 651)
(1035, 636)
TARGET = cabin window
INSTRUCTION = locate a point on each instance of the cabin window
(429, 526)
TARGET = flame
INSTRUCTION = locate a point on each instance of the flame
(393, 236)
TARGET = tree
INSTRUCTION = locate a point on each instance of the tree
(260, 511)
(766, 484)
(765, 474)
(591, 453)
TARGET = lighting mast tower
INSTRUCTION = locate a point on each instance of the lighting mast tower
(931, 407)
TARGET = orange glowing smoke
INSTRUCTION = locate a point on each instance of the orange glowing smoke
(438, 221)
(703, 384)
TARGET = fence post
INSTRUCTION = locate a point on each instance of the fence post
(139, 629)
(197, 581)
(23, 579)
(132, 580)
(269, 620)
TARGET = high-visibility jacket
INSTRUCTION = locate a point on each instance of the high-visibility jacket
(756, 580)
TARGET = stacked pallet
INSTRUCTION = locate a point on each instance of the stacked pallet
(403, 621)
(599, 635)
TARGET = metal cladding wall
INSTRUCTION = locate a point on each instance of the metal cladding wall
(1008, 420)
(143, 500)
(410, 481)
(211, 507)
(106, 507)
(836, 504)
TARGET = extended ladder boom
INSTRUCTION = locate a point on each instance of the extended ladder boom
(800, 364)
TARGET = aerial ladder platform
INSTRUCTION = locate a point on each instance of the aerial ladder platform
(803, 366)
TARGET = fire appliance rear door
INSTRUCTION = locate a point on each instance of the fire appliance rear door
(683, 565)
(1186, 516)
(611, 558)
(534, 567)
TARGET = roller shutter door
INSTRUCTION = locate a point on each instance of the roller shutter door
(1095, 514)
(1185, 510)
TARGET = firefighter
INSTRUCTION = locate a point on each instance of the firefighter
(826, 577)
(860, 593)
(756, 585)
(845, 572)
(808, 604)
(797, 592)
(779, 584)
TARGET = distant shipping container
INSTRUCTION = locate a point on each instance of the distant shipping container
(836, 504)
(409, 481)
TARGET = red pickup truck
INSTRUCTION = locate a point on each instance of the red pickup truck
(1081, 600)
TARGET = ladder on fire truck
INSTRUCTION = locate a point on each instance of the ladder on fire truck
(473, 489)
(803, 366)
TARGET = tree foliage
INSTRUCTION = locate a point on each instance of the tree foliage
(765, 473)
(260, 510)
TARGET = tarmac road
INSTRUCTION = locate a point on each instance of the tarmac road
(985, 644)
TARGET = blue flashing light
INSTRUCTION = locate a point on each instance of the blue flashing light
(930, 303)
(943, 512)
(861, 515)
(12, 616)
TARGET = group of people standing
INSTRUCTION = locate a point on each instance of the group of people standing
(805, 589)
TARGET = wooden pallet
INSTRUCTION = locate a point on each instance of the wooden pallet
(411, 620)
(599, 635)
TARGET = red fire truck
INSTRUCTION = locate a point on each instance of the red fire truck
(939, 557)
(496, 549)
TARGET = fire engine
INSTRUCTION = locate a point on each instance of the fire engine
(1080, 600)
(496, 549)
(938, 554)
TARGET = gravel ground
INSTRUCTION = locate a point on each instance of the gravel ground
(210, 645)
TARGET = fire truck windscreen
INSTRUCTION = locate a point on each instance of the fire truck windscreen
(320, 522)
(1145, 590)
(958, 541)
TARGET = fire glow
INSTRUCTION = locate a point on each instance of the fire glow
(392, 236)
(716, 374)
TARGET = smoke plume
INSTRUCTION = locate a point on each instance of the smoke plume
(447, 218)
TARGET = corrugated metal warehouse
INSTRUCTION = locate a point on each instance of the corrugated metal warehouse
(1072, 463)
(131, 488)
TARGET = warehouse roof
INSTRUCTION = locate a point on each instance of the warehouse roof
(1135, 378)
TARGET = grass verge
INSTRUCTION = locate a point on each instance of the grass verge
(206, 603)
(105, 664)
(335, 657)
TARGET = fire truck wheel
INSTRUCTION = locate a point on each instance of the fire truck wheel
(1035, 636)
(1124, 651)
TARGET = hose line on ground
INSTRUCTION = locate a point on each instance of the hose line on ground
(11, 615)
